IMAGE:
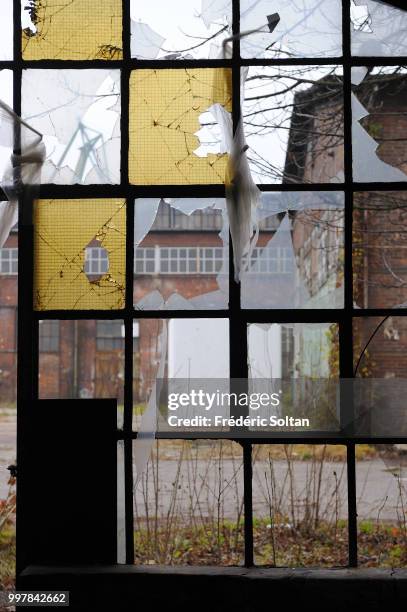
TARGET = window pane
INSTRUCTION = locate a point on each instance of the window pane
(293, 119)
(298, 262)
(178, 282)
(165, 111)
(379, 124)
(63, 229)
(379, 249)
(307, 29)
(182, 349)
(71, 30)
(378, 29)
(191, 29)
(191, 497)
(80, 367)
(300, 505)
(78, 112)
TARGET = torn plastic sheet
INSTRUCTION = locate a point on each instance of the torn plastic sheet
(192, 29)
(311, 28)
(378, 29)
(165, 296)
(300, 265)
(367, 166)
(78, 112)
(148, 426)
(23, 172)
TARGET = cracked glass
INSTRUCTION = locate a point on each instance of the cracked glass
(63, 229)
(71, 29)
(181, 256)
(379, 124)
(174, 136)
(192, 29)
(310, 28)
(377, 29)
(78, 113)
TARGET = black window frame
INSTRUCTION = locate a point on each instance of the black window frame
(28, 319)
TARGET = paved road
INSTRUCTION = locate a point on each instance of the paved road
(378, 489)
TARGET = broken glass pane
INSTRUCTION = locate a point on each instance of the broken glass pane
(311, 28)
(378, 29)
(63, 231)
(379, 249)
(6, 30)
(385, 355)
(71, 29)
(297, 259)
(6, 126)
(191, 29)
(78, 112)
(183, 349)
(181, 257)
(379, 124)
(293, 122)
(174, 136)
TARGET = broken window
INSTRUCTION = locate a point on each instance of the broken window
(63, 231)
(71, 30)
(181, 258)
(311, 28)
(78, 113)
(379, 123)
(180, 350)
(191, 29)
(380, 249)
(293, 121)
(297, 259)
(377, 29)
(173, 131)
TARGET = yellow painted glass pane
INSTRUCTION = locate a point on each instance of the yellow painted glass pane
(73, 29)
(165, 106)
(65, 232)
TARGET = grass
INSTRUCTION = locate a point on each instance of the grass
(7, 555)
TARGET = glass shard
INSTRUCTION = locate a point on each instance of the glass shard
(165, 115)
(379, 124)
(63, 230)
(71, 29)
(174, 266)
(192, 29)
(378, 29)
(78, 112)
(311, 28)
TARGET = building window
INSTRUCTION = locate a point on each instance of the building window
(109, 336)
(96, 261)
(271, 260)
(49, 336)
(9, 261)
(178, 260)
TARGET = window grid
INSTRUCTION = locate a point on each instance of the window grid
(9, 261)
(28, 324)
